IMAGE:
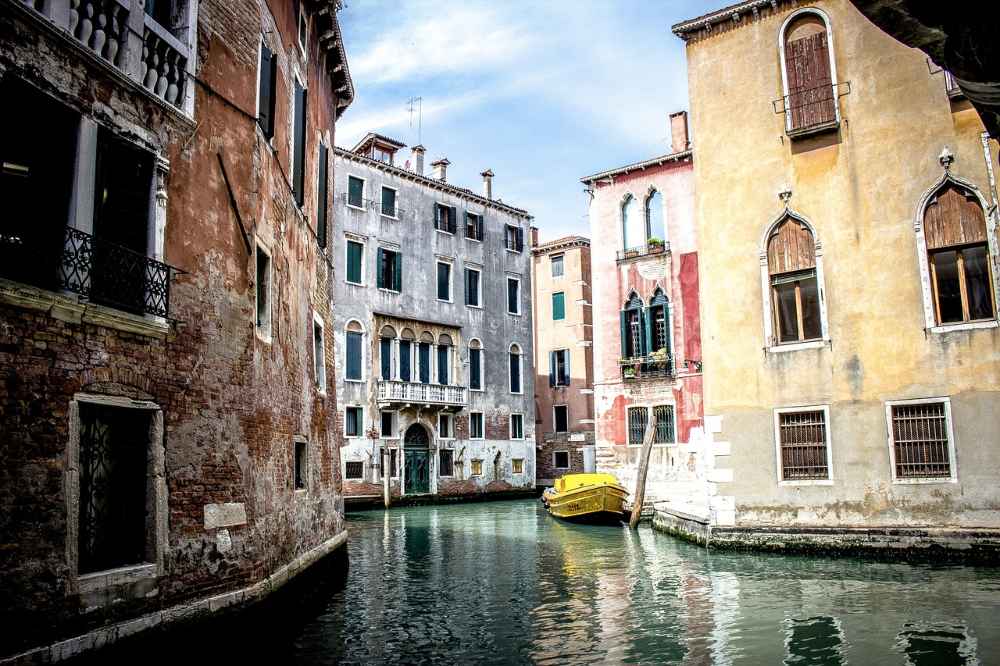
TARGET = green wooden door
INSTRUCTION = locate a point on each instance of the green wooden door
(416, 461)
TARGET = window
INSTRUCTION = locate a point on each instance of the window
(446, 426)
(354, 470)
(477, 467)
(557, 265)
(267, 79)
(559, 367)
(517, 465)
(921, 444)
(301, 466)
(560, 459)
(353, 347)
(663, 424)
(513, 296)
(474, 226)
(382, 155)
(560, 418)
(476, 425)
(633, 227)
(514, 362)
(355, 192)
(803, 443)
(319, 354)
(390, 270)
(558, 306)
(808, 72)
(444, 281)
(388, 425)
(385, 353)
(473, 288)
(446, 462)
(475, 366)
(321, 196)
(633, 334)
(444, 218)
(353, 421)
(517, 426)
(958, 256)
(444, 360)
(794, 298)
(656, 230)
(355, 262)
(406, 356)
(514, 238)
(659, 322)
(263, 292)
(388, 202)
(424, 362)
(637, 418)
(299, 144)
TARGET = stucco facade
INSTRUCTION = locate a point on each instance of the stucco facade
(493, 454)
(859, 188)
(564, 362)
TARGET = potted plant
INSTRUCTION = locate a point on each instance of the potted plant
(655, 245)
(631, 252)
(628, 372)
(659, 357)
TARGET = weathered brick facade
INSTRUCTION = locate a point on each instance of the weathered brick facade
(228, 404)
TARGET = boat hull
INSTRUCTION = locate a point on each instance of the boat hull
(599, 503)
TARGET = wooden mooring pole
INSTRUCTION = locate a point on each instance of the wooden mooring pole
(640, 479)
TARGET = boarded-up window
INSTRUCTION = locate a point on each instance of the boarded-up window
(811, 100)
(791, 261)
(958, 256)
(803, 445)
(920, 440)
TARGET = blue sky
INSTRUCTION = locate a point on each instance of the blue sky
(542, 92)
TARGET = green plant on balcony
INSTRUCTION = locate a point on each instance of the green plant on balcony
(659, 357)
(628, 372)
(654, 245)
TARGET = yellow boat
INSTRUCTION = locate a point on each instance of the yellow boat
(591, 497)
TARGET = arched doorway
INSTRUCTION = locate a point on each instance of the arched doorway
(416, 460)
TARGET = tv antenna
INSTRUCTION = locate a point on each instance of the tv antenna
(416, 104)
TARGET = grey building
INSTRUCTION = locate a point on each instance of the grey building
(433, 329)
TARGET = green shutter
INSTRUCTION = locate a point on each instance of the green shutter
(558, 305)
(666, 325)
(379, 281)
(646, 331)
(624, 326)
(353, 262)
(397, 274)
(321, 197)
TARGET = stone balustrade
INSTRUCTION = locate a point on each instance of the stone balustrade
(391, 391)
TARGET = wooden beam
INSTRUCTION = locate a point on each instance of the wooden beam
(235, 206)
(640, 479)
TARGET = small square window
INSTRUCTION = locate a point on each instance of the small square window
(389, 425)
(354, 470)
(353, 420)
(921, 440)
(477, 467)
(517, 465)
(560, 459)
(803, 443)
(561, 418)
(557, 265)
(444, 218)
(476, 425)
(474, 226)
(301, 466)
(388, 202)
(517, 426)
(446, 466)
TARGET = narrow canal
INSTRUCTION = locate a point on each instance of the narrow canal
(505, 583)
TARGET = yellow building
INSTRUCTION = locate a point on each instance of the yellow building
(847, 207)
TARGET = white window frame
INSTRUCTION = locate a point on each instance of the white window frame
(351, 479)
(569, 379)
(514, 460)
(263, 333)
(450, 263)
(347, 259)
(442, 231)
(778, 411)
(554, 418)
(395, 203)
(395, 424)
(561, 256)
(482, 367)
(363, 333)
(829, 51)
(302, 31)
(482, 217)
(364, 191)
(319, 365)
(952, 460)
(482, 423)
(388, 246)
(511, 433)
(479, 287)
(451, 426)
(506, 296)
(361, 422)
(569, 460)
(926, 288)
(771, 343)
(520, 368)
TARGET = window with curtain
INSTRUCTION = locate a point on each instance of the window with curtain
(791, 263)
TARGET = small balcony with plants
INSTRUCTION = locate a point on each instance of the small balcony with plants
(655, 365)
(653, 247)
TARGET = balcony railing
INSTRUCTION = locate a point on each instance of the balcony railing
(393, 391)
(643, 251)
(812, 110)
(97, 270)
(652, 366)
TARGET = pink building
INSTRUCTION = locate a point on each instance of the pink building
(647, 344)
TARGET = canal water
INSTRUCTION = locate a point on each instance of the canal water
(502, 582)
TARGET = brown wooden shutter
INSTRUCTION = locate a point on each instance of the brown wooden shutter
(810, 84)
(791, 247)
(953, 217)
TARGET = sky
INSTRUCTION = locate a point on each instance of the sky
(543, 92)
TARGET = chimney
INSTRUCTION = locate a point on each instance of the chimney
(418, 159)
(487, 183)
(534, 236)
(679, 131)
(440, 168)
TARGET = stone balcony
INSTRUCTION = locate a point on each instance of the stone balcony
(400, 393)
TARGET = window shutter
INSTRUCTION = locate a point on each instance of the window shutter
(666, 329)
(353, 356)
(379, 270)
(397, 274)
(566, 374)
(519, 239)
(474, 371)
(452, 220)
(385, 353)
(552, 368)
(624, 327)
(647, 337)
(479, 228)
(321, 202)
(437, 216)
(465, 223)
(298, 184)
(404, 361)
(265, 90)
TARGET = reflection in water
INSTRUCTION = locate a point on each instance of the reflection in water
(505, 583)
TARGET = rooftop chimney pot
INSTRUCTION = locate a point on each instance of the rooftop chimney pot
(487, 183)
(679, 131)
(440, 168)
(418, 159)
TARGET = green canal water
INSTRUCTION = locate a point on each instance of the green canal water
(503, 582)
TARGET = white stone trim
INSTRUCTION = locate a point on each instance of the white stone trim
(778, 411)
(952, 460)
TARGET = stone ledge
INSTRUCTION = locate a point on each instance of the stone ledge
(103, 636)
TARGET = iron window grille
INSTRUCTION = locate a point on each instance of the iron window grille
(803, 445)
(663, 422)
(637, 418)
(920, 440)
(354, 470)
(658, 365)
(812, 109)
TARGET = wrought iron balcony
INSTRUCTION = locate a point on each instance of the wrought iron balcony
(812, 110)
(399, 392)
(652, 366)
(95, 269)
(654, 249)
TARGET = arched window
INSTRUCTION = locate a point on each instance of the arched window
(655, 225)
(633, 227)
(406, 355)
(353, 336)
(958, 256)
(808, 71)
(633, 324)
(444, 359)
(514, 362)
(424, 357)
(386, 337)
(659, 323)
(475, 365)
(794, 288)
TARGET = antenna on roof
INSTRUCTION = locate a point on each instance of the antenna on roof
(416, 103)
